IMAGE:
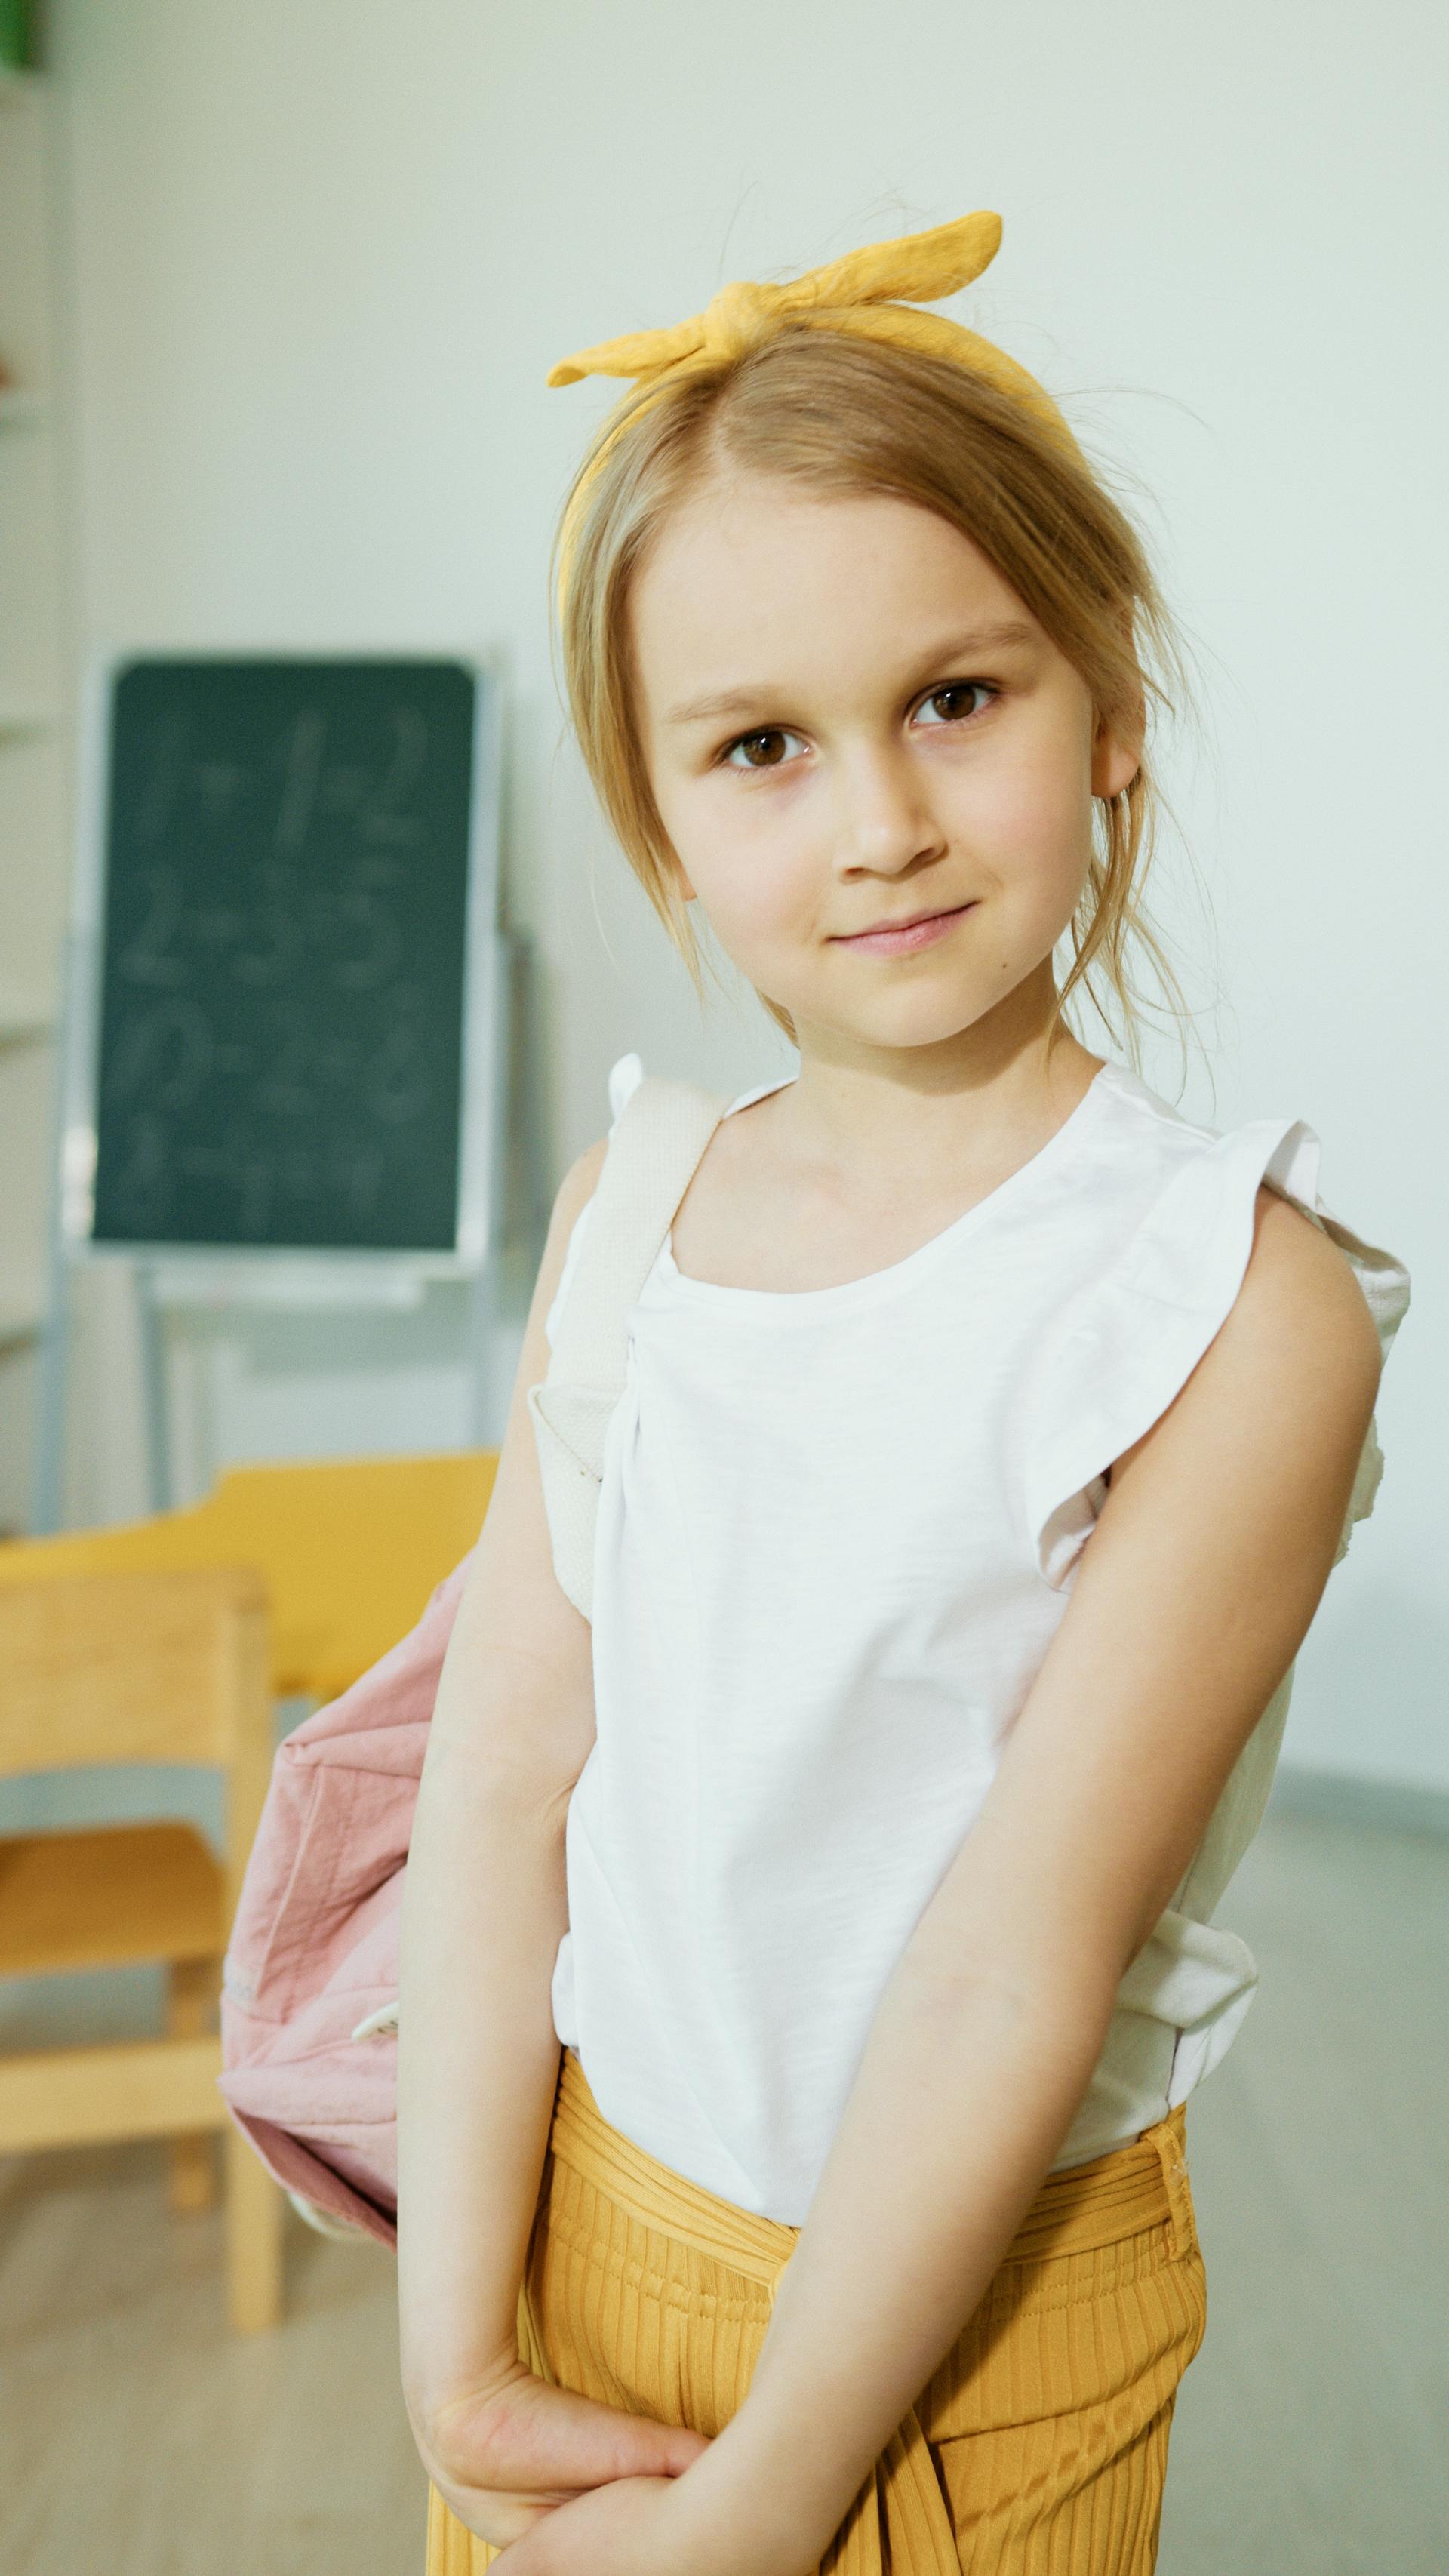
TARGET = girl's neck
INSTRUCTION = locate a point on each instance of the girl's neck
(928, 1117)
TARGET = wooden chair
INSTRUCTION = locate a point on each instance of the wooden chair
(349, 1550)
(166, 1641)
(162, 1667)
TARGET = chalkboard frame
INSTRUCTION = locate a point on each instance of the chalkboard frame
(483, 1048)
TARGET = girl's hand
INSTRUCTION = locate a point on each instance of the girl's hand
(507, 2455)
(643, 2526)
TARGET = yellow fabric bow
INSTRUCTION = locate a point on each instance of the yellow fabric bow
(918, 269)
(869, 293)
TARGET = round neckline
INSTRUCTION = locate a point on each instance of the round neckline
(871, 1283)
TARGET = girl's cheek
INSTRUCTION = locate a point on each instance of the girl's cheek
(759, 910)
(752, 861)
(1032, 826)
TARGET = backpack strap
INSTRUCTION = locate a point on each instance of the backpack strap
(653, 1152)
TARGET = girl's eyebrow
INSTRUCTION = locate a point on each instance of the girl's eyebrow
(719, 706)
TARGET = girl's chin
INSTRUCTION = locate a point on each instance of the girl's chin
(946, 1018)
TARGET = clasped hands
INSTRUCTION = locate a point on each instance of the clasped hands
(565, 2486)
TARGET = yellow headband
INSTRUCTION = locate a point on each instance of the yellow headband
(869, 294)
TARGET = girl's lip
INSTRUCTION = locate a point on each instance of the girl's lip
(915, 934)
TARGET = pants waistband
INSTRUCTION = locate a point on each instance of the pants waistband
(1091, 2205)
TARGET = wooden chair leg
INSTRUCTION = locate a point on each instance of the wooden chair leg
(191, 1989)
(255, 2211)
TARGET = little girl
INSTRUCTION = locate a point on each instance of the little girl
(988, 1433)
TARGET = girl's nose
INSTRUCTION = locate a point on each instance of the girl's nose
(886, 820)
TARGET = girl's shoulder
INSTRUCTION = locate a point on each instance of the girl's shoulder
(1167, 1210)
(1167, 1200)
(1128, 1246)
(624, 1079)
(1197, 1186)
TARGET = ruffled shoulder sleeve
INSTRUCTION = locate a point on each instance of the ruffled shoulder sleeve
(1129, 1340)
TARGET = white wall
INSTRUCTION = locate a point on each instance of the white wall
(326, 251)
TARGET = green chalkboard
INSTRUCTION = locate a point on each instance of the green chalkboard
(283, 957)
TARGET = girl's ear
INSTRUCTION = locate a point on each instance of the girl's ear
(1118, 750)
(1117, 742)
(1116, 760)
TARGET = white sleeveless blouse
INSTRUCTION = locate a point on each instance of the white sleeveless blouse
(836, 1533)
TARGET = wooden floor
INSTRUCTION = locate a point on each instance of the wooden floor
(138, 2439)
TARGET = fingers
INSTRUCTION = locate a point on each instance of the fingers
(527, 2448)
(649, 2450)
(501, 2520)
(609, 2531)
(554, 2438)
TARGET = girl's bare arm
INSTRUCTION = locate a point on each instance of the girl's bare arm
(483, 1914)
(1189, 1603)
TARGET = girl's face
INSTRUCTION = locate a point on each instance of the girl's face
(850, 720)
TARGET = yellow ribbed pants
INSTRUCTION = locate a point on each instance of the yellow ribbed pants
(1039, 2447)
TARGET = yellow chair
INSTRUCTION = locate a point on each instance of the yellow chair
(349, 1550)
(165, 1641)
(138, 1668)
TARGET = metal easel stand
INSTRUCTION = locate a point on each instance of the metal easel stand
(72, 1167)
(71, 1205)
(150, 1318)
(48, 1509)
(48, 1504)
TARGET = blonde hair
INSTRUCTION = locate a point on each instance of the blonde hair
(839, 414)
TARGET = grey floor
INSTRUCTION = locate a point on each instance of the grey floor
(138, 2439)
(1312, 2432)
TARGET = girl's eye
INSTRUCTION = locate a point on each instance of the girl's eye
(763, 750)
(949, 705)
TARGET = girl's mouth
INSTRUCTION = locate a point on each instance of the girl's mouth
(914, 934)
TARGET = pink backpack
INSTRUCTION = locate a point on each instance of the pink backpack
(309, 2009)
